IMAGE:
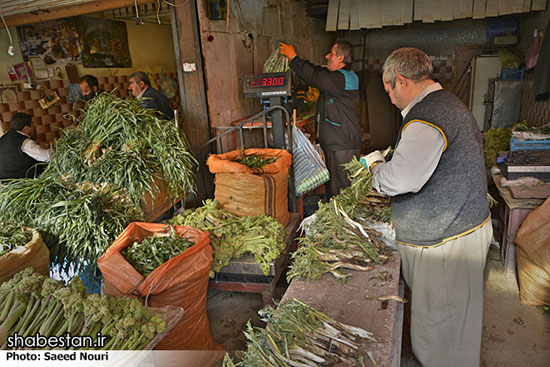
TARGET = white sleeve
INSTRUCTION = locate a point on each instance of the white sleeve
(36, 151)
(414, 160)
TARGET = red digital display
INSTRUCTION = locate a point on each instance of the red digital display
(267, 81)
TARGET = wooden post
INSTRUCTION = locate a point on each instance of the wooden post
(195, 120)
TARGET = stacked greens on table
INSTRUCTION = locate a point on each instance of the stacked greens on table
(12, 237)
(231, 236)
(524, 126)
(495, 140)
(254, 161)
(95, 184)
(340, 235)
(153, 251)
(299, 335)
(31, 303)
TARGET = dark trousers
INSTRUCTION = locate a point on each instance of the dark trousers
(338, 175)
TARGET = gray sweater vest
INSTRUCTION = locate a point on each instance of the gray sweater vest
(454, 200)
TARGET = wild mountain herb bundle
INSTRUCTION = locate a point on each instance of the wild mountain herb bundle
(31, 303)
(94, 186)
(120, 142)
(12, 237)
(299, 335)
(231, 236)
(78, 221)
(339, 236)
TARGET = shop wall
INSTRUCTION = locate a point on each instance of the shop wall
(537, 113)
(5, 59)
(241, 46)
(151, 48)
(439, 40)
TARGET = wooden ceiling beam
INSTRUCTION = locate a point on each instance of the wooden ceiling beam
(69, 11)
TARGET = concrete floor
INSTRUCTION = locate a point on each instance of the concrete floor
(513, 334)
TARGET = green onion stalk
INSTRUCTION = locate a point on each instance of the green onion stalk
(120, 142)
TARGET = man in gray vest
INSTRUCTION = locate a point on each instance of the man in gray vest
(440, 211)
(19, 153)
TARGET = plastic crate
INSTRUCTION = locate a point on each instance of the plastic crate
(529, 144)
(512, 74)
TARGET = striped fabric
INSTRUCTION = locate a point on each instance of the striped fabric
(310, 171)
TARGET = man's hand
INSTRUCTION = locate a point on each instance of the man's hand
(288, 51)
(372, 159)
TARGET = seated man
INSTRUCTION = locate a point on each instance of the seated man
(19, 154)
(89, 87)
(140, 86)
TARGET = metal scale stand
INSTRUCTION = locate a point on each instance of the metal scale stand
(273, 89)
(244, 274)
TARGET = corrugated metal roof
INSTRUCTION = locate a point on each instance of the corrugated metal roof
(12, 7)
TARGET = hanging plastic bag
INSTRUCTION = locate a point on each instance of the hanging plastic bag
(310, 171)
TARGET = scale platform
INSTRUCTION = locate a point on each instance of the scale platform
(245, 275)
(526, 163)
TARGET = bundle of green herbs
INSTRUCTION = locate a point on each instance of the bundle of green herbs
(101, 169)
(340, 235)
(299, 335)
(495, 140)
(31, 303)
(120, 142)
(254, 161)
(78, 221)
(153, 251)
(13, 236)
(231, 236)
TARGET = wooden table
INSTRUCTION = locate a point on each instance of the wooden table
(245, 275)
(512, 213)
(355, 303)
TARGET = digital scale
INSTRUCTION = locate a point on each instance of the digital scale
(272, 89)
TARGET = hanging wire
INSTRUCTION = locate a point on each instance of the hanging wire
(158, 11)
(138, 21)
(11, 51)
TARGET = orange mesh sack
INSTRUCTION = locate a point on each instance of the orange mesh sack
(181, 281)
(34, 254)
(246, 192)
(533, 241)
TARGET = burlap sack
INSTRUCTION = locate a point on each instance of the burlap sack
(246, 192)
(534, 282)
(34, 255)
(533, 241)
